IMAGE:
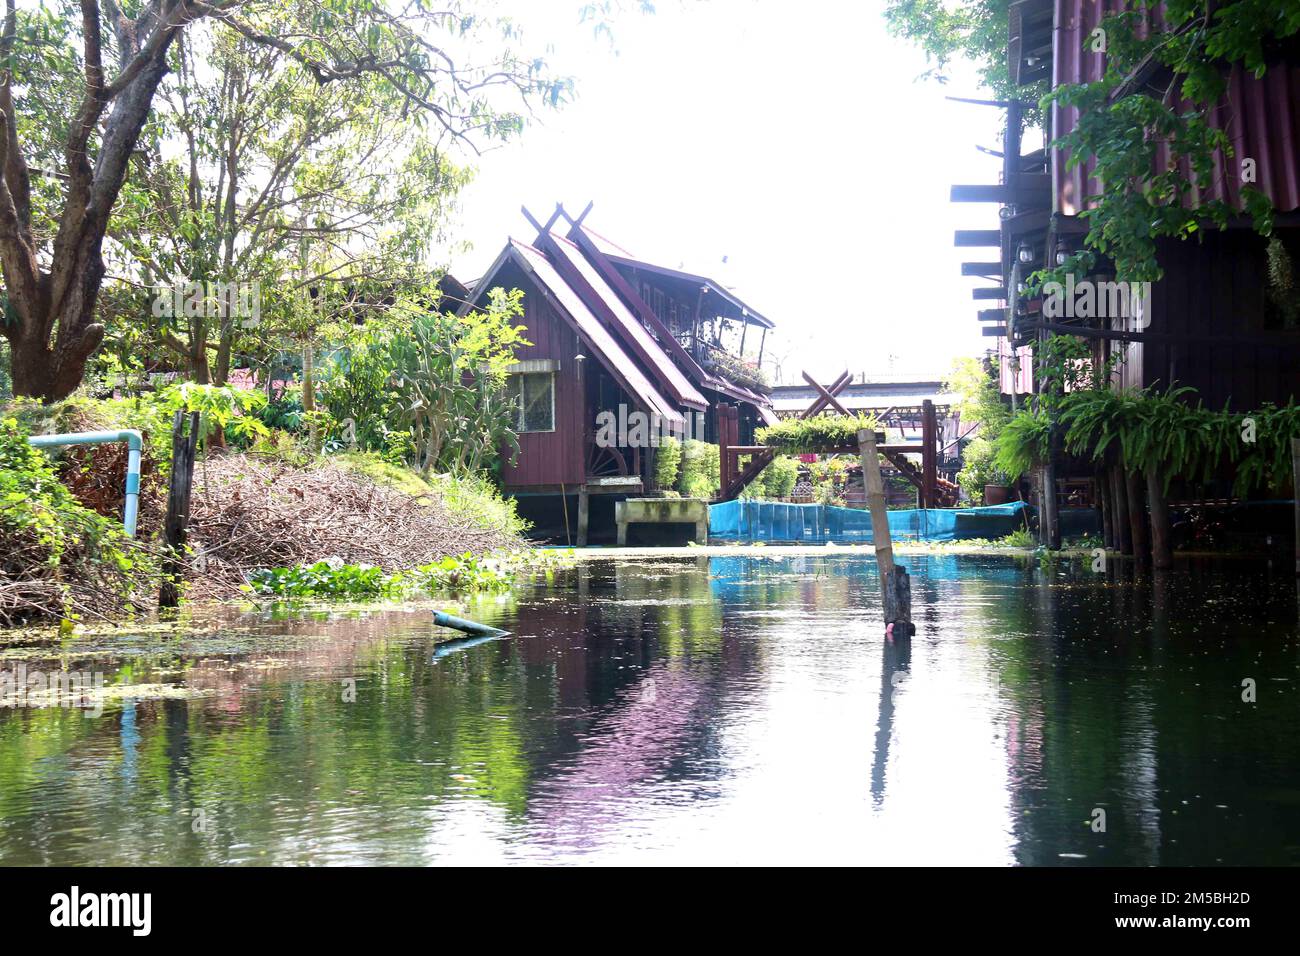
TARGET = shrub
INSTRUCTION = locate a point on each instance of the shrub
(777, 480)
(979, 469)
(701, 469)
(59, 559)
(668, 460)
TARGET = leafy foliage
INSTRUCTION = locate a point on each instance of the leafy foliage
(435, 377)
(668, 462)
(701, 475)
(1123, 132)
(58, 559)
(1163, 430)
(809, 435)
(463, 573)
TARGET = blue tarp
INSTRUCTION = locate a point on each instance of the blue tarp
(775, 521)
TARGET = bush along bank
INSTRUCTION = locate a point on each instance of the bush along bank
(267, 516)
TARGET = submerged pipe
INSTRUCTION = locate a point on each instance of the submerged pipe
(478, 634)
(443, 619)
(134, 442)
(463, 643)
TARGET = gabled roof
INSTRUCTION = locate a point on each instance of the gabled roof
(603, 262)
(589, 328)
(750, 315)
(636, 335)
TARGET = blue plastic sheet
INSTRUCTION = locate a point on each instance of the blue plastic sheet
(775, 521)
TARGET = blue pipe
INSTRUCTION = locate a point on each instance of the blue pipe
(134, 443)
(460, 644)
(443, 619)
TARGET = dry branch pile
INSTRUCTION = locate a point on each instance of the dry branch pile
(249, 513)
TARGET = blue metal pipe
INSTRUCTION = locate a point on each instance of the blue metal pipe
(134, 443)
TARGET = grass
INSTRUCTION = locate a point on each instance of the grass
(471, 497)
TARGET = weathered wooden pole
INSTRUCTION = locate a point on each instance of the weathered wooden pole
(1295, 473)
(584, 514)
(929, 454)
(1162, 555)
(1137, 515)
(1119, 494)
(178, 508)
(895, 587)
(1107, 515)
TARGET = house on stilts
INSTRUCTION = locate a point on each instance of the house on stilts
(623, 352)
(1213, 321)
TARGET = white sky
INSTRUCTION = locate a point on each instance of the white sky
(792, 139)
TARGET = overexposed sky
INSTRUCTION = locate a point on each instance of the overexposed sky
(794, 140)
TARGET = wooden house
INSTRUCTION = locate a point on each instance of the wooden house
(615, 339)
(1214, 322)
(1214, 325)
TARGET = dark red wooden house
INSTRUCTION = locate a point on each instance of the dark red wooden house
(1214, 324)
(611, 333)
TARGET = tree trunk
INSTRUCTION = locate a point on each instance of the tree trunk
(53, 332)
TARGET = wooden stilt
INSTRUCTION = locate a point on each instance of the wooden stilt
(1103, 502)
(929, 454)
(1137, 515)
(584, 503)
(176, 524)
(1161, 552)
(1123, 529)
(1295, 471)
(895, 587)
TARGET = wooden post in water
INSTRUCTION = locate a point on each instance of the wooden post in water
(1295, 472)
(178, 507)
(1107, 512)
(1119, 494)
(1137, 515)
(895, 587)
(584, 514)
(1162, 555)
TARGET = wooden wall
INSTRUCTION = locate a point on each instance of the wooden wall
(1218, 286)
(558, 457)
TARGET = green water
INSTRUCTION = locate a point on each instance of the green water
(699, 710)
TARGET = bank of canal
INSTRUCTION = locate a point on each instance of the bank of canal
(733, 707)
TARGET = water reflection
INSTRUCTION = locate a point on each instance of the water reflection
(707, 709)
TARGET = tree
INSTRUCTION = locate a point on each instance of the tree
(52, 251)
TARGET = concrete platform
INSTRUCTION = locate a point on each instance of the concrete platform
(663, 511)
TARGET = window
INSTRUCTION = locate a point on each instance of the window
(533, 395)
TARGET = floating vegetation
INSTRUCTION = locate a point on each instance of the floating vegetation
(332, 578)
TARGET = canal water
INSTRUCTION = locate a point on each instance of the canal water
(711, 709)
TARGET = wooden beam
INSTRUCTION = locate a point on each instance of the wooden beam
(994, 330)
(983, 269)
(992, 315)
(981, 238)
(989, 292)
(828, 396)
(819, 403)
